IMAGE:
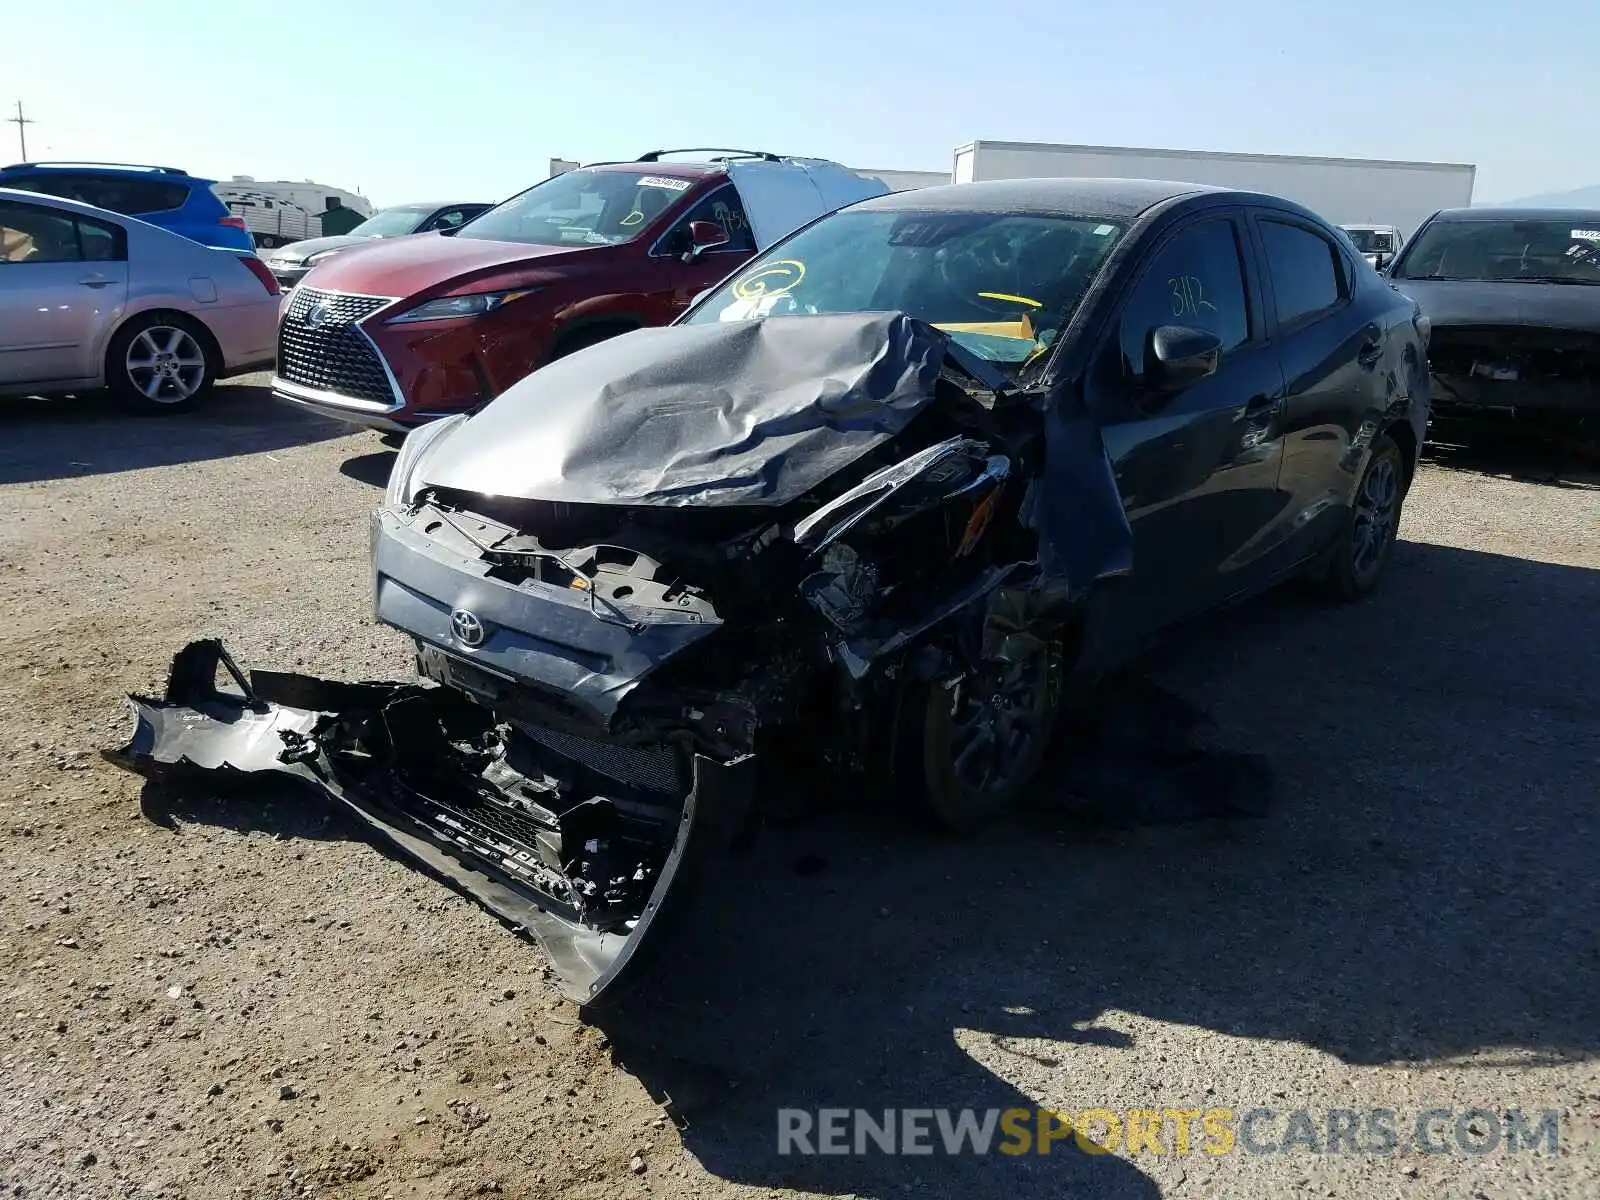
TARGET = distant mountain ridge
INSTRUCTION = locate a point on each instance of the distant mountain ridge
(1584, 197)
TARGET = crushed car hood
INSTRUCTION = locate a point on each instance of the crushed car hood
(1494, 302)
(748, 412)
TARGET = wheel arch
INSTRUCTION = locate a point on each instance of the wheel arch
(580, 329)
(1399, 432)
(208, 340)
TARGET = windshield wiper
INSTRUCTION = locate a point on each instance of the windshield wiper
(1553, 279)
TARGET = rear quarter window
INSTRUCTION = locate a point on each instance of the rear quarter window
(130, 197)
(1308, 270)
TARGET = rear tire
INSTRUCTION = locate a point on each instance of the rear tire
(1358, 559)
(161, 363)
(968, 748)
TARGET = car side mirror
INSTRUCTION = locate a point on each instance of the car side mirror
(1177, 356)
(703, 236)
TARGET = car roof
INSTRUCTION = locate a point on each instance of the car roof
(1510, 212)
(672, 170)
(119, 170)
(1125, 198)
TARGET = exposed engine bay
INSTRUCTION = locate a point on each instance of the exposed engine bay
(643, 570)
(1515, 367)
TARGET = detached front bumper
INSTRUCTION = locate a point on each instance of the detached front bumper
(377, 749)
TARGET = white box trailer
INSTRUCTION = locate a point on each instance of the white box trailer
(281, 211)
(906, 181)
(1344, 191)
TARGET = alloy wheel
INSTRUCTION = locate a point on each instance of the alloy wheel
(997, 718)
(1377, 509)
(166, 364)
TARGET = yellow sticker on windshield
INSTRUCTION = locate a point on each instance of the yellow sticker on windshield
(1010, 297)
(774, 279)
(632, 218)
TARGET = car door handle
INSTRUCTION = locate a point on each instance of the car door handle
(1259, 407)
(96, 281)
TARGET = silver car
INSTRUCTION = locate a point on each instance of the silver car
(90, 298)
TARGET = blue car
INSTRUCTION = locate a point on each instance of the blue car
(163, 196)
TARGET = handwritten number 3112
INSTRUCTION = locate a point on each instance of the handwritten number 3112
(1188, 296)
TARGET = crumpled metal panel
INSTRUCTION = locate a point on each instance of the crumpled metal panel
(737, 413)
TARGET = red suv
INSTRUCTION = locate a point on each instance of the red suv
(398, 333)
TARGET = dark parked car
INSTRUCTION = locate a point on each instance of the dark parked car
(904, 485)
(1513, 299)
(293, 262)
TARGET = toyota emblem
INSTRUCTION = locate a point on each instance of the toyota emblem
(317, 315)
(467, 627)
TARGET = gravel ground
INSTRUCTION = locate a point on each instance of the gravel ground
(226, 993)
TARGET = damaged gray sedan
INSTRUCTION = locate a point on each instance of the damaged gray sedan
(897, 491)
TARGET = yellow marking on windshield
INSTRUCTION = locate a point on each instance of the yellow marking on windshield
(1021, 328)
(771, 280)
(632, 218)
(1013, 299)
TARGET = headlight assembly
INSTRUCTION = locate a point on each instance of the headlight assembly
(449, 307)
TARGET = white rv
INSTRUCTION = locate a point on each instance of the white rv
(278, 212)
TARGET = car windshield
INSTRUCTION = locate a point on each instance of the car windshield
(581, 208)
(392, 222)
(1371, 241)
(1543, 251)
(1002, 285)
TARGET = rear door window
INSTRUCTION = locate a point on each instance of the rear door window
(1308, 272)
(1196, 279)
(130, 197)
(31, 234)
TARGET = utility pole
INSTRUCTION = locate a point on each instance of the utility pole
(22, 123)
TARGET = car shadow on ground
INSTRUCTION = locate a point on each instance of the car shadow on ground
(1422, 890)
(371, 469)
(1525, 458)
(92, 434)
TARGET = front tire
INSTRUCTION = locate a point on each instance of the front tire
(969, 747)
(160, 363)
(1362, 553)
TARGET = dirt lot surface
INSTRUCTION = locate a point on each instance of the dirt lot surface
(229, 993)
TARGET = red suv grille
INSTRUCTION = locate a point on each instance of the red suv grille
(320, 347)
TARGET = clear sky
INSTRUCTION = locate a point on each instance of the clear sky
(470, 99)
